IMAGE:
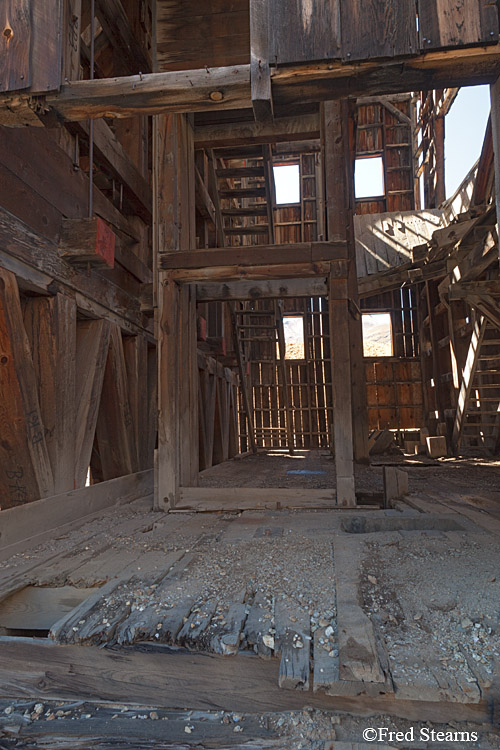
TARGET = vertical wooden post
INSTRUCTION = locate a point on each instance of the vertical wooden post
(168, 393)
(339, 169)
(342, 393)
(174, 230)
(439, 171)
(495, 125)
(262, 99)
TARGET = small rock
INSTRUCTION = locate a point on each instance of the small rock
(372, 579)
(153, 715)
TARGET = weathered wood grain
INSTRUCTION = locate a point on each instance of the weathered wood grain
(456, 23)
(379, 28)
(15, 42)
(25, 470)
(301, 31)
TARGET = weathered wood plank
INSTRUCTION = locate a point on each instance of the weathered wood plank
(15, 43)
(454, 23)
(380, 28)
(46, 47)
(29, 521)
(50, 324)
(25, 471)
(92, 343)
(260, 72)
(197, 681)
(304, 32)
(114, 422)
(251, 290)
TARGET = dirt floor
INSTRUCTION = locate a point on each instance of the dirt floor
(304, 469)
(389, 610)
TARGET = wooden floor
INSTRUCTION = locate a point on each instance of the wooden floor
(263, 610)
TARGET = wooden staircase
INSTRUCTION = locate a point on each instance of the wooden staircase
(477, 426)
(246, 195)
(259, 336)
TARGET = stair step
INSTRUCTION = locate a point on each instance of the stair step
(258, 325)
(237, 172)
(485, 398)
(256, 192)
(486, 385)
(250, 211)
(256, 229)
(486, 357)
(258, 338)
(491, 342)
(254, 312)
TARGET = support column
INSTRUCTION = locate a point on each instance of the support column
(174, 231)
(338, 308)
(338, 137)
(495, 126)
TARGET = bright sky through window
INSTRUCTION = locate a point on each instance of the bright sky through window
(465, 128)
(294, 336)
(287, 183)
(377, 335)
(369, 177)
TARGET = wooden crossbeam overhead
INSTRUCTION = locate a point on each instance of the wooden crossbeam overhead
(252, 290)
(222, 134)
(230, 87)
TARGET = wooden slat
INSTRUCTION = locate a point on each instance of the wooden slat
(114, 422)
(46, 47)
(453, 23)
(15, 43)
(51, 327)
(91, 354)
(136, 360)
(36, 519)
(303, 32)
(25, 471)
(379, 28)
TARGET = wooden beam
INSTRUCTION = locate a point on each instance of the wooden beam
(252, 290)
(252, 273)
(135, 349)
(247, 403)
(108, 149)
(156, 93)
(92, 344)
(495, 127)
(339, 170)
(116, 25)
(338, 311)
(196, 681)
(168, 391)
(204, 203)
(18, 241)
(229, 88)
(282, 255)
(25, 470)
(468, 379)
(51, 328)
(260, 71)
(29, 522)
(224, 135)
(115, 435)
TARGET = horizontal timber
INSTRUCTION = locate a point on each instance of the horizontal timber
(271, 255)
(255, 273)
(34, 519)
(281, 129)
(252, 290)
(39, 266)
(229, 88)
(195, 681)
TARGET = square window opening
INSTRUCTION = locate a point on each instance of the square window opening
(287, 184)
(377, 335)
(294, 337)
(369, 177)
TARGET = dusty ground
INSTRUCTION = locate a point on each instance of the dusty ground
(313, 469)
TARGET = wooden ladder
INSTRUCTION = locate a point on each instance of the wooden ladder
(255, 329)
(246, 196)
(477, 425)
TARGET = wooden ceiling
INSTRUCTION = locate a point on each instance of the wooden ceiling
(193, 34)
